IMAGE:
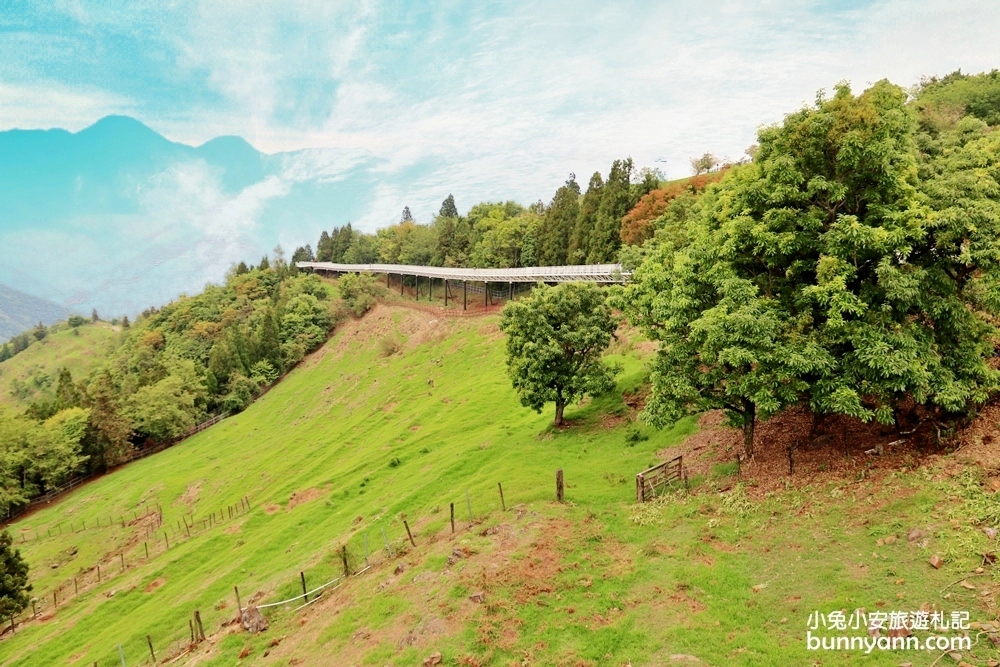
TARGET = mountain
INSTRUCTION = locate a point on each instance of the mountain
(118, 217)
(20, 311)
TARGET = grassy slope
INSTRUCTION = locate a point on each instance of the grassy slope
(574, 584)
(79, 353)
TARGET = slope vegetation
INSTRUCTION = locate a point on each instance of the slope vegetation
(394, 420)
(31, 374)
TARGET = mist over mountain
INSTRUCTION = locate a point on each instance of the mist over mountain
(20, 311)
(117, 217)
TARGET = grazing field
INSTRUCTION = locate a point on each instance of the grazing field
(32, 374)
(396, 418)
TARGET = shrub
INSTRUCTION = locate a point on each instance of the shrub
(358, 291)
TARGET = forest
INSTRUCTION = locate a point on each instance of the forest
(850, 262)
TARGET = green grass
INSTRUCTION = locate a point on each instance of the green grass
(589, 582)
(81, 351)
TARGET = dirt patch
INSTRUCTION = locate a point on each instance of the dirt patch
(383, 321)
(306, 496)
(271, 508)
(836, 449)
(154, 584)
(190, 495)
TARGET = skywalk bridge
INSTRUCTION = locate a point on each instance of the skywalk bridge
(525, 275)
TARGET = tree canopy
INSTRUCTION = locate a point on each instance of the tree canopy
(555, 338)
(841, 268)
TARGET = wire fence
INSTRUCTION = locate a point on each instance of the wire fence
(152, 538)
(136, 454)
(378, 544)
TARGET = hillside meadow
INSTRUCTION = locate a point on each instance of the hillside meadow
(400, 415)
(31, 375)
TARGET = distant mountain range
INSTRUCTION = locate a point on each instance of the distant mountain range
(20, 311)
(117, 217)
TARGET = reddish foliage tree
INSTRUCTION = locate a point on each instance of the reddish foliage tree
(637, 225)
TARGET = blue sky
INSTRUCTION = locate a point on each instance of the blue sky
(501, 99)
(485, 100)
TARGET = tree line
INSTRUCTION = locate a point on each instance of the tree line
(575, 227)
(172, 367)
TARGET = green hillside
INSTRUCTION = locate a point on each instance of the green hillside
(32, 374)
(395, 418)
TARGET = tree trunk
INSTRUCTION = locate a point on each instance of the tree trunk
(560, 406)
(749, 425)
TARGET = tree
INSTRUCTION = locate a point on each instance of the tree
(617, 199)
(723, 345)
(302, 254)
(94, 316)
(125, 322)
(579, 241)
(555, 338)
(406, 216)
(560, 219)
(448, 208)
(704, 164)
(358, 292)
(113, 428)
(856, 291)
(14, 586)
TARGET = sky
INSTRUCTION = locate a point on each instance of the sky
(504, 98)
(484, 100)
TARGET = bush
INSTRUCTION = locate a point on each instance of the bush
(389, 346)
(359, 292)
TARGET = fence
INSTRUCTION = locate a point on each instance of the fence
(355, 556)
(157, 540)
(135, 455)
(659, 476)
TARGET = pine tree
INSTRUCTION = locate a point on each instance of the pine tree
(14, 586)
(324, 249)
(448, 208)
(559, 223)
(406, 216)
(579, 242)
(617, 199)
(93, 316)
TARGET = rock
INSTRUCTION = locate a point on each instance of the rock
(456, 555)
(956, 656)
(432, 659)
(479, 597)
(890, 539)
(245, 652)
(936, 562)
(111, 593)
(991, 532)
(254, 621)
(967, 586)
(400, 568)
(979, 570)
(914, 535)
(992, 663)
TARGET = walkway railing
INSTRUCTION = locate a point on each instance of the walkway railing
(593, 273)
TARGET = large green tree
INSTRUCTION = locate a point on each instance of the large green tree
(555, 338)
(868, 286)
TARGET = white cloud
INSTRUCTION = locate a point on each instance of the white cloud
(47, 104)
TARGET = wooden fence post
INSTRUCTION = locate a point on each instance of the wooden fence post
(239, 605)
(305, 591)
(408, 533)
(145, 545)
(122, 556)
(503, 505)
(98, 573)
(149, 640)
(453, 518)
(343, 556)
(559, 485)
